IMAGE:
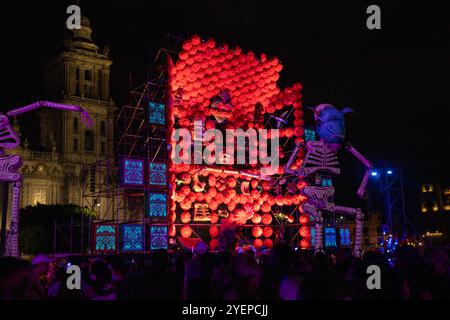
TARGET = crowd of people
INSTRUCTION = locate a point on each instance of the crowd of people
(281, 273)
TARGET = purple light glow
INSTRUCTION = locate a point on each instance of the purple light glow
(48, 104)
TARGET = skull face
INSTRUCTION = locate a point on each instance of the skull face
(330, 124)
(221, 106)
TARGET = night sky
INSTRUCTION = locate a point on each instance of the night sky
(396, 79)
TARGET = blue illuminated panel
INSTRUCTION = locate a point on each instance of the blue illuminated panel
(158, 174)
(133, 172)
(157, 113)
(344, 234)
(156, 204)
(310, 135)
(313, 237)
(105, 238)
(132, 237)
(330, 237)
(158, 237)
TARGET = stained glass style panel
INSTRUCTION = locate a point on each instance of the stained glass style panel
(157, 113)
(105, 238)
(158, 174)
(132, 237)
(133, 172)
(330, 237)
(157, 204)
(158, 237)
(313, 237)
(344, 234)
(310, 135)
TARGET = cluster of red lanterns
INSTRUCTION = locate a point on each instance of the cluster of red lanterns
(202, 71)
(256, 205)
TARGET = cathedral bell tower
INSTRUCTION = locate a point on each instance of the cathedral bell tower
(78, 75)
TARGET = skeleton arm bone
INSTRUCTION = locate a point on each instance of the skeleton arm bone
(48, 104)
(362, 188)
(287, 167)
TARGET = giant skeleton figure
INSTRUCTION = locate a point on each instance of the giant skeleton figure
(320, 163)
(10, 164)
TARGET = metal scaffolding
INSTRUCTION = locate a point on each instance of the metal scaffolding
(134, 137)
(389, 195)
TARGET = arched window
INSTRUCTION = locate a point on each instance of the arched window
(103, 129)
(75, 125)
(89, 141)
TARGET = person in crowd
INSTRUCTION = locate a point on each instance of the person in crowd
(440, 282)
(290, 287)
(281, 273)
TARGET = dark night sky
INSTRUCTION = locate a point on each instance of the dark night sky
(396, 79)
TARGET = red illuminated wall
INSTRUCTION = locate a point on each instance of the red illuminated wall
(202, 71)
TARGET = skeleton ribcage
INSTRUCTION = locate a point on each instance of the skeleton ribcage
(319, 158)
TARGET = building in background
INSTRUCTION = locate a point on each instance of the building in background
(435, 211)
(58, 155)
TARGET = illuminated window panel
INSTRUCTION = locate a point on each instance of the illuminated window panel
(326, 182)
(158, 174)
(105, 238)
(40, 196)
(330, 237)
(313, 237)
(158, 237)
(133, 172)
(344, 234)
(310, 135)
(157, 113)
(156, 204)
(132, 236)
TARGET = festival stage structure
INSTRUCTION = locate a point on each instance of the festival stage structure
(211, 142)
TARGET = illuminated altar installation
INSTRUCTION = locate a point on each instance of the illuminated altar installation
(227, 88)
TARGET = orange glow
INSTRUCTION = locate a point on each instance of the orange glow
(203, 71)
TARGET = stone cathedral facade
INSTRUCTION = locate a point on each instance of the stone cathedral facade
(59, 170)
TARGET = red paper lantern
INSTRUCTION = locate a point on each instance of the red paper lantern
(266, 207)
(186, 190)
(213, 217)
(214, 244)
(256, 218)
(266, 218)
(231, 182)
(186, 231)
(257, 232)
(304, 244)
(305, 232)
(265, 185)
(186, 205)
(304, 219)
(279, 200)
(268, 243)
(213, 231)
(258, 243)
(172, 230)
(185, 217)
(212, 180)
(267, 232)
